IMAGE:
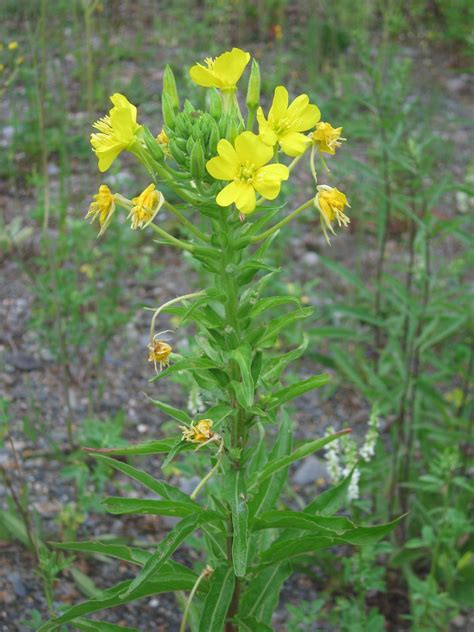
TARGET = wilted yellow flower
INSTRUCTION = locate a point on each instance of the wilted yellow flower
(145, 207)
(12, 45)
(118, 131)
(163, 140)
(159, 353)
(327, 138)
(244, 165)
(102, 207)
(198, 433)
(331, 203)
(286, 122)
(223, 72)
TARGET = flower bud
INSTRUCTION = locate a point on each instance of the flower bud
(214, 137)
(177, 153)
(169, 114)
(253, 89)
(215, 104)
(152, 145)
(188, 107)
(170, 89)
(198, 163)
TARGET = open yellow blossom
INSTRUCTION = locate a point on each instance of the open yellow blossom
(331, 203)
(285, 123)
(223, 72)
(327, 138)
(117, 131)
(199, 432)
(159, 353)
(102, 207)
(145, 207)
(245, 165)
(12, 45)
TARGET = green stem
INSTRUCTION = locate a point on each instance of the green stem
(177, 213)
(204, 573)
(283, 222)
(172, 240)
(210, 474)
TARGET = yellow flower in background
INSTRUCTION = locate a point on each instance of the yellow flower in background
(12, 45)
(331, 203)
(223, 72)
(286, 122)
(327, 138)
(198, 433)
(245, 165)
(159, 353)
(117, 131)
(163, 141)
(103, 207)
(145, 207)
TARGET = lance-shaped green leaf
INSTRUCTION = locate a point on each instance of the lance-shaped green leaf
(118, 505)
(274, 367)
(251, 624)
(300, 453)
(177, 414)
(260, 597)
(295, 390)
(186, 364)
(369, 535)
(300, 520)
(244, 389)
(278, 324)
(141, 449)
(101, 626)
(263, 304)
(284, 549)
(236, 494)
(119, 595)
(161, 488)
(218, 599)
(165, 549)
(332, 499)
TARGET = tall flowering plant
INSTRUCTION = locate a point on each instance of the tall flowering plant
(224, 174)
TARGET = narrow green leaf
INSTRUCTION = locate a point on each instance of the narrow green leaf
(164, 550)
(251, 624)
(301, 520)
(118, 505)
(218, 599)
(275, 326)
(119, 595)
(260, 597)
(180, 415)
(263, 304)
(84, 583)
(284, 549)
(294, 390)
(161, 488)
(186, 364)
(151, 447)
(369, 535)
(332, 499)
(236, 494)
(14, 526)
(275, 366)
(101, 626)
(301, 452)
(244, 389)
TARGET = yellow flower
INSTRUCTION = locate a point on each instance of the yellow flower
(118, 131)
(102, 207)
(12, 45)
(223, 72)
(286, 122)
(244, 166)
(163, 140)
(145, 207)
(327, 138)
(331, 202)
(2, 67)
(198, 433)
(159, 353)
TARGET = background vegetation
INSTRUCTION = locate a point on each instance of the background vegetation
(392, 321)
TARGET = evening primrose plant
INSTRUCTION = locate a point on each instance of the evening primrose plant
(225, 179)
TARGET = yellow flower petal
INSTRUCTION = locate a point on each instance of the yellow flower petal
(251, 149)
(294, 143)
(204, 77)
(279, 104)
(226, 165)
(268, 180)
(246, 200)
(231, 65)
(229, 194)
(307, 119)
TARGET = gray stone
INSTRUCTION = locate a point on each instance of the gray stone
(310, 471)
